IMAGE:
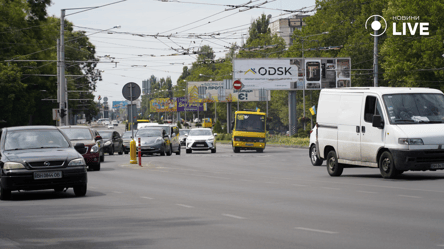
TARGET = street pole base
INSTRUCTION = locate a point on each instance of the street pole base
(133, 161)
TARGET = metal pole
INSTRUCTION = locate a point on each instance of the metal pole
(266, 92)
(375, 57)
(58, 80)
(131, 111)
(303, 89)
(62, 66)
(215, 112)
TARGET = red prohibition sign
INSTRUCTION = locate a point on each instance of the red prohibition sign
(237, 84)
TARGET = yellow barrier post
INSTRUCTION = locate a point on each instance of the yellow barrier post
(133, 159)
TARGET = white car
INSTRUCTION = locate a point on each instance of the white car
(201, 139)
(110, 126)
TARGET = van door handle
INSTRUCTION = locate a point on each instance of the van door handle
(363, 129)
(357, 129)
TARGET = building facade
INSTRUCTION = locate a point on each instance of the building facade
(286, 26)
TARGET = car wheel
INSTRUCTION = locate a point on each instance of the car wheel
(163, 152)
(97, 166)
(259, 150)
(315, 160)
(121, 150)
(102, 157)
(126, 152)
(111, 150)
(188, 151)
(178, 152)
(333, 167)
(213, 150)
(387, 166)
(170, 151)
(5, 194)
(236, 150)
(80, 190)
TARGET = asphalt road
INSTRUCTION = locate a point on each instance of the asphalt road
(274, 199)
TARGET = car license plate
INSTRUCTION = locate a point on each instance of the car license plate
(47, 175)
(437, 166)
(200, 145)
(249, 144)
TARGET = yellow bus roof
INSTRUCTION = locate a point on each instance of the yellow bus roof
(250, 112)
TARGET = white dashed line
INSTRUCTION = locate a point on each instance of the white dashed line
(233, 216)
(144, 197)
(410, 196)
(367, 192)
(299, 185)
(117, 192)
(331, 188)
(315, 230)
(183, 205)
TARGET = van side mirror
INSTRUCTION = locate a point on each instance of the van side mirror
(377, 122)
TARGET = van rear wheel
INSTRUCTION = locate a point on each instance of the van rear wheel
(333, 167)
(315, 160)
(387, 166)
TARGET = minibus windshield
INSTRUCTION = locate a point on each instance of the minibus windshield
(250, 122)
(415, 108)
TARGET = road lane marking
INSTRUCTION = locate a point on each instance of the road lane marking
(410, 196)
(234, 216)
(183, 205)
(367, 192)
(315, 230)
(144, 197)
(117, 192)
(299, 185)
(331, 188)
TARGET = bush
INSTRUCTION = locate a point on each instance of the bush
(303, 133)
(179, 125)
(186, 125)
(198, 124)
(217, 127)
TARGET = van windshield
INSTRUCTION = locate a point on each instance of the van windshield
(415, 108)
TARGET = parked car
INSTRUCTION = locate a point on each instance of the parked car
(183, 133)
(126, 137)
(152, 140)
(112, 142)
(40, 157)
(201, 139)
(83, 134)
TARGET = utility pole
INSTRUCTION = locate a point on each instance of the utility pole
(62, 104)
(375, 57)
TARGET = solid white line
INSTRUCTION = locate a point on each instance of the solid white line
(144, 197)
(233, 216)
(410, 196)
(315, 230)
(367, 192)
(183, 205)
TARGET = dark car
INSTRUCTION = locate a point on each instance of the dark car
(83, 134)
(152, 140)
(40, 157)
(112, 142)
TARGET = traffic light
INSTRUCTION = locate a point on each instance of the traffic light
(62, 113)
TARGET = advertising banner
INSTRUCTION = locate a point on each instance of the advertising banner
(119, 104)
(313, 74)
(183, 105)
(163, 105)
(343, 73)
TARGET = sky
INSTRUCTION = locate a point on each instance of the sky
(189, 25)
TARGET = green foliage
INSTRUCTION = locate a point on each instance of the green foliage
(179, 125)
(217, 127)
(198, 125)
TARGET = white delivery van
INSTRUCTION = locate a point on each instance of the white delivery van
(393, 129)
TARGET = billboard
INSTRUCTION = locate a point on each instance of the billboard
(163, 105)
(293, 73)
(183, 105)
(119, 104)
(217, 91)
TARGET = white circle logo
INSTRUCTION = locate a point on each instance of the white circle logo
(376, 25)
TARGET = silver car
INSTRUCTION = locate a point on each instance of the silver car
(152, 140)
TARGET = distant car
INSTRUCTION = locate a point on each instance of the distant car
(112, 142)
(152, 140)
(85, 135)
(126, 136)
(110, 126)
(40, 157)
(183, 133)
(196, 120)
(201, 139)
(115, 123)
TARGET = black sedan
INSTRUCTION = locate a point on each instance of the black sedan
(112, 141)
(40, 157)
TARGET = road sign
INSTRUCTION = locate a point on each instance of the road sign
(237, 84)
(131, 89)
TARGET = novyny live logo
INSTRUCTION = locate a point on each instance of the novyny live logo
(270, 71)
(412, 28)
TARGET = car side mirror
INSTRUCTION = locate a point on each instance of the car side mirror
(174, 134)
(215, 134)
(165, 136)
(377, 122)
(97, 138)
(80, 147)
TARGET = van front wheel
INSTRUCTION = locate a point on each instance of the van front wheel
(333, 167)
(387, 166)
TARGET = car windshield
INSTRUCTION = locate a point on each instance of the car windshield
(105, 135)
(415, 108)
(35, 139)
(200, 133)
(250, 122)
(78, 134)
(127, 135)
(184, 132)
(149, 133)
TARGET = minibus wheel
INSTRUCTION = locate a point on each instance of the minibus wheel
(333, 167)
(387, 166)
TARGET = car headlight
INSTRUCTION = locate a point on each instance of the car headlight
(107, 143)
(210, 140)
(410, 141)
(159, 140)
(13, 165)
(77, 162)
(95, 149)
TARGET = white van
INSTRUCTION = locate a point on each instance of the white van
(393, 129)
